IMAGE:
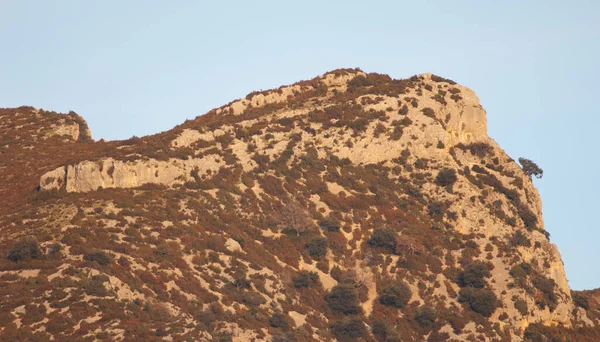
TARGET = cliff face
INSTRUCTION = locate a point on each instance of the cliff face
(222, 216)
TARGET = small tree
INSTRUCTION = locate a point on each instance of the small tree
(25, 248)
(531, 168)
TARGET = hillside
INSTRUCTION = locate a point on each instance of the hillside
(349, 207)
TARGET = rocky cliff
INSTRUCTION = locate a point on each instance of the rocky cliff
(351, 206)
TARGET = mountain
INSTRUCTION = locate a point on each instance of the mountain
(352, 206)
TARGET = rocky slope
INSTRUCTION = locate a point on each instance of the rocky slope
(350, 207)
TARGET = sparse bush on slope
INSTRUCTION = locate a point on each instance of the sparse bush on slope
(344, 298)
(25, 248)
(396, 295)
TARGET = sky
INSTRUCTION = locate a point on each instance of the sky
(141, 67)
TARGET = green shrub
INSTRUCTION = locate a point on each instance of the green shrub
(436, 78)
(482, 301)
(548, 296)
(383, 331)
(479, 149)
(100, 257)
(344, 298)
(580, 300)
(519, 274)
(474, 275)
(428, 112)
(425, 316)
(55, 247)
(385, 238)
(396, 295)
(25, 248)
(521, 306)
(349, 329)
(336, 273)
(446, 177)
(534, 336)
(305, 279)
(435, 209)
(519, 239)
(330, 224)
(95, 287)
(528, 217)
(359, 81)
(279, 320)
(317, 247)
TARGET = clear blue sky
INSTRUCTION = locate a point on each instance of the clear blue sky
(141, 67)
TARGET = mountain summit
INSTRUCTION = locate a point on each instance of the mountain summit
(349, 207)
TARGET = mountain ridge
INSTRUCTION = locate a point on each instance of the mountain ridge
(260, 213)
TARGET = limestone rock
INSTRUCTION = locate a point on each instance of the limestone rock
(109, 173)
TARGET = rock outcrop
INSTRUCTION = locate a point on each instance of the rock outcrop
(109, 173)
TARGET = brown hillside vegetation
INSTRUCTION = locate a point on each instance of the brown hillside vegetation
(351, 207)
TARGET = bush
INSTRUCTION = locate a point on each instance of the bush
(330, 224)
(546, 287)
(530, 168)
(519, 239)
(518, 273)
(385, 238)
(359, 81)
(100, 257)
(383, 331)
(534, 336)
(436, 209)
(305, 279)
(279, 320)
(482, 301)
(446, 177)
(425, 316)
(479, 149)
(317, 247)
(55, 247)
(580, 300)
(528, 217)
(349, 329)
(396, 295)
(474, 275)
(436, 78)
(95, 287)
(428, 112)
(25, 248)
(344, 298)
(521, 306)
